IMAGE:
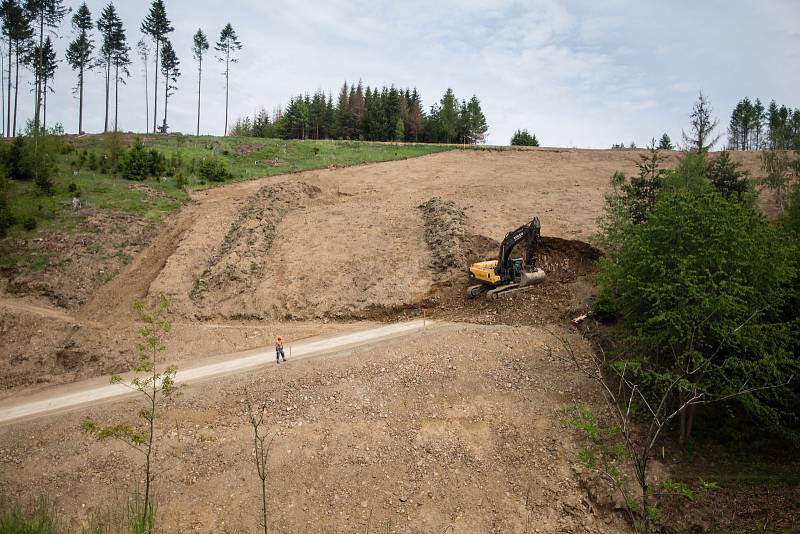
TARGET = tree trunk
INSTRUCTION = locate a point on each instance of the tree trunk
(80, 100)
(38, 75)
(44, 102)
(166, 100)
(8, 118)
(2, 90)
(108, 90)
(16, 90)
(155, 91)
(116, 98)
(146, 100)
(227, 86)
(199, 87)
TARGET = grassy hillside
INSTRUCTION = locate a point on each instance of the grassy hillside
(89, 165)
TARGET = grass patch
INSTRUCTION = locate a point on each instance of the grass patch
(80, 168)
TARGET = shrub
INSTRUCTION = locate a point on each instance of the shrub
(72, 188)
(604, 308)
(135, 163)
(727, 178)
(214, 170)
(92, 162)
(158, 163)
(17, 162)
(29, 223)
(523, 138)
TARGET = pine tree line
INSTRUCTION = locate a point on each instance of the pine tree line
(371, 114)
(753, 127)
(28, 28)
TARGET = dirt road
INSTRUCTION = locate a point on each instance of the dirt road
(75, 395)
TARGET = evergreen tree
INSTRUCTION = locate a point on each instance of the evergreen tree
(523, 138)
(110, 27)
(758, 109)
(122, 60)
(46, 63)
(227, 46)
(343, 116)
(157, 26)
(46, 15)
(476, 126)
(79, 53)
(665, 143)
(703, 124)
(199, 48)
(17, 31)
(144, 54)
(448, 116)
(727, 178)
(169, 68)
(416, 117)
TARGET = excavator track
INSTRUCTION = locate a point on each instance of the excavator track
(476, 290)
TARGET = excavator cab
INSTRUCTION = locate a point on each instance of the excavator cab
(507, 273)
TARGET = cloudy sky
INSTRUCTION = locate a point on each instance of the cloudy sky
(576, 73)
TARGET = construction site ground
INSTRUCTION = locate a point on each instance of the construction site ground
(458, 424)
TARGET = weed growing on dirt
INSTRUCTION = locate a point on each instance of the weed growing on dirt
(37, 517)
(156, 387)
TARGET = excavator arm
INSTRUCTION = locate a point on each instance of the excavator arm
(528, 231)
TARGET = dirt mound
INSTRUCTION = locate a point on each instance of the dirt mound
(239, 265)
(445, 234)
(566, 292)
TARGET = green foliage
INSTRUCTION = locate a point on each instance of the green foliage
(154, 385)
(17, 161)
(604, 452)
(29, 223)
(138, 163)
(630, 200)
(782, 174)
(604, 308)
(665, 143)
(523, 138)
(728, 179)
(791, 217)
(214, 170)
(702, 287)
(40, 516)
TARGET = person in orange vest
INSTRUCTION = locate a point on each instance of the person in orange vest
(279, 350)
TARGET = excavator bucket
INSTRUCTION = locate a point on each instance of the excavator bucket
(530, 278)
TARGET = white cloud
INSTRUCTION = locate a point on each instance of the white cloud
(578, 72)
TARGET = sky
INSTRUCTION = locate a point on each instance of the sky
(577, 73)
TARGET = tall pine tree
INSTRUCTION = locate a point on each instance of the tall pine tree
(169, 68)
(157, 26)
(227, 46)
(199, 48)
(79, 53)
(17, 31)
(110, 27)
(46, 15)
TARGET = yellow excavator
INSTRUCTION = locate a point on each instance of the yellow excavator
(508, 274)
